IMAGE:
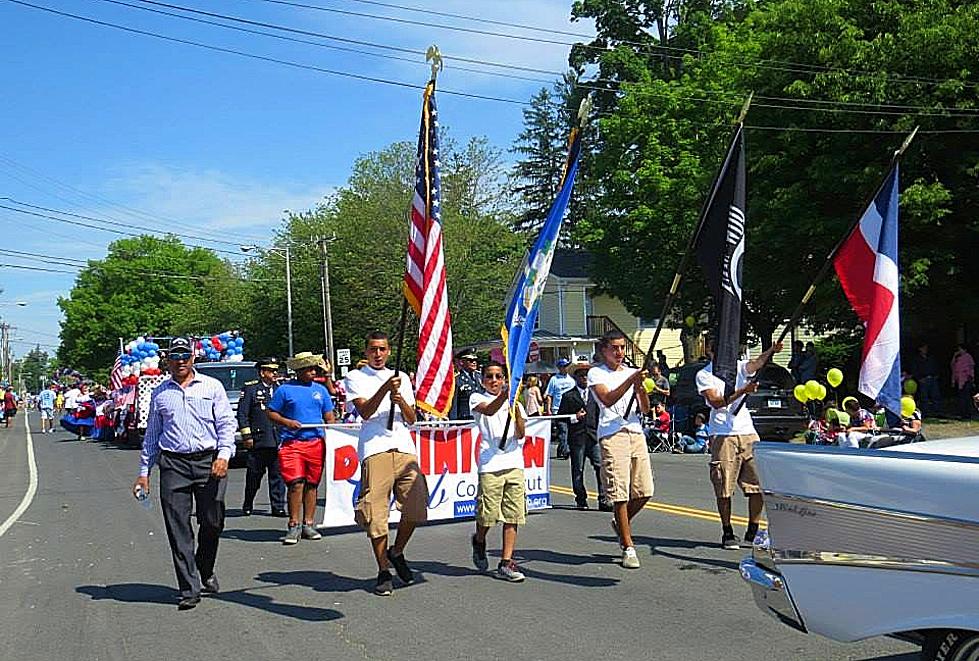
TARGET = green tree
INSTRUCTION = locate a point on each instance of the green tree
(366, 221)
(33, 365)
(906, 63)
(144, 286)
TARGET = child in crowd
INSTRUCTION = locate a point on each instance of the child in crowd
(659, 427)
(699, 442)
(501, 497)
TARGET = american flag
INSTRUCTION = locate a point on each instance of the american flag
(425, 272)
(116, 377)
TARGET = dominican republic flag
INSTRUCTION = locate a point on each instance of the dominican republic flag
(720, 252)
(866, 265)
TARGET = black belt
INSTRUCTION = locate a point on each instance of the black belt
(203, 454)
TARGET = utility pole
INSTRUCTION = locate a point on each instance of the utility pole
(5, 351)
(327, 306)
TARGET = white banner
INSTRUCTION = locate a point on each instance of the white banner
(447, 458)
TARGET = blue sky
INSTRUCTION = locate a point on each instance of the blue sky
(101, 122)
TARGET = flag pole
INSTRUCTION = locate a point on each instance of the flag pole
(692, 245)
(584, 109)
(435, 57)
(828, 262)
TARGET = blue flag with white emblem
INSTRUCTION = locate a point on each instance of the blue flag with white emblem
(524, 300)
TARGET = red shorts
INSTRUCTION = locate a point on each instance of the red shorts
(302, 460)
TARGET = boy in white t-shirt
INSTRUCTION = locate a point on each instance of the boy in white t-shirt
(626, 470)
(388, 463)
(502, 493)
(732, 442)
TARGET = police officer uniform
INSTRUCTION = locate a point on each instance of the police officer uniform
(264, 454)
(467, 383)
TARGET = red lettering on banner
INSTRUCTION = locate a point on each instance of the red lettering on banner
(344, 462)
(446, 455)
(533, 452)
(465, 437)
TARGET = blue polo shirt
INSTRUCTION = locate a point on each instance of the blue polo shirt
(307, 403)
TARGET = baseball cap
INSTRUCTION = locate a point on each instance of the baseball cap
(563, 362)
(181, 344)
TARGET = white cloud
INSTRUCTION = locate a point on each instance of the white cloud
(210, 199)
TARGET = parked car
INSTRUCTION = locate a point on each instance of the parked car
(864, 543)
(233, 377)
(778, 416)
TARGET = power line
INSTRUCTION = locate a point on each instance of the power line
(130, 211)
(263, 58)
(581, 85)
(796, 67)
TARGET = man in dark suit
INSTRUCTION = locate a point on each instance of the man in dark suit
(261, 438)
(583, 437)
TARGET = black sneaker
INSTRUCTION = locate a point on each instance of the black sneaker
(280, 514)
(384, 587)
(401, 567)
(479, 555)
(246, 510)
(210, 586)
(186, 603)
(730, 542)
(749, 539)
(605, 506)
(581, 505)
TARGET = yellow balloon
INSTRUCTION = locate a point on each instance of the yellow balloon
(908, 407)
(690, 321)
(822, 392)
(648, 384)
(812, 389)
(910, 387)
(835, 377)
(800, 393)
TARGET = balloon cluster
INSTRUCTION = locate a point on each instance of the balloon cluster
(811, 389)
(140, 357)
(226, 347)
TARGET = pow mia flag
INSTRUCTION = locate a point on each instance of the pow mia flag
(720, 252)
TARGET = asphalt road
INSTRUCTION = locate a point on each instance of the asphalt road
(85, 575)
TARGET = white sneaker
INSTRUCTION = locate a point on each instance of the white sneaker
(629, 558)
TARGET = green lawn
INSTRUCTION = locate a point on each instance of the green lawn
(941, 428)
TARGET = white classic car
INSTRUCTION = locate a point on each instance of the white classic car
(865, 543)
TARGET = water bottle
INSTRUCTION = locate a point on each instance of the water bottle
(143, 498)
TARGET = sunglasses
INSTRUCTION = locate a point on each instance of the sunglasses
(180, 355)
(493, 377)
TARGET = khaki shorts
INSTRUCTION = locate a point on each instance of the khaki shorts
(502, 498)
(380, 475)
(626, 470)
(732, 461)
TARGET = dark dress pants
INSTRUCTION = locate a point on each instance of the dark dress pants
(581, 449)
(258, 462)
(185, 481)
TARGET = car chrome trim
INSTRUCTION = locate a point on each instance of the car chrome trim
(873, 537)
(771, 594)
(904, 514)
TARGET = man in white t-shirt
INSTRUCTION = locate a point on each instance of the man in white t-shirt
(502, 496)
(732, 442)
(626, 470)
(388, 462)
(71, 399)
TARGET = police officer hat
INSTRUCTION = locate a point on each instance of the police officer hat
(268, 364)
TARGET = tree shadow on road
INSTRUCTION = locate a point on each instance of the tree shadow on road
(146, 593)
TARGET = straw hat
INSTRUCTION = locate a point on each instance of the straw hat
(305, 359)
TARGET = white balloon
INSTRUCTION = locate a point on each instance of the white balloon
(140, 339)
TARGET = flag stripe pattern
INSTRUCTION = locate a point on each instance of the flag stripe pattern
(115, 379)
(424, 283)
(524, 301)
(866, 265)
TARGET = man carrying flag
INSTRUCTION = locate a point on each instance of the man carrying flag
(866, 265)
(725, 380)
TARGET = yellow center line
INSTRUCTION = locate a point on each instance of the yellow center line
(666, 508)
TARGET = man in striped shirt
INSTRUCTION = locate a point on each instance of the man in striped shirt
(190, 434)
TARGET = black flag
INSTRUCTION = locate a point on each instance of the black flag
(721, 252)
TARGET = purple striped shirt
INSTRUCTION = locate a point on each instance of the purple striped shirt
(191, 419)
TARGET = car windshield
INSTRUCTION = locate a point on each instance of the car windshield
(231, 376)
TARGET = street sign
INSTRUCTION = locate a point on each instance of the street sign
(343, 357)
